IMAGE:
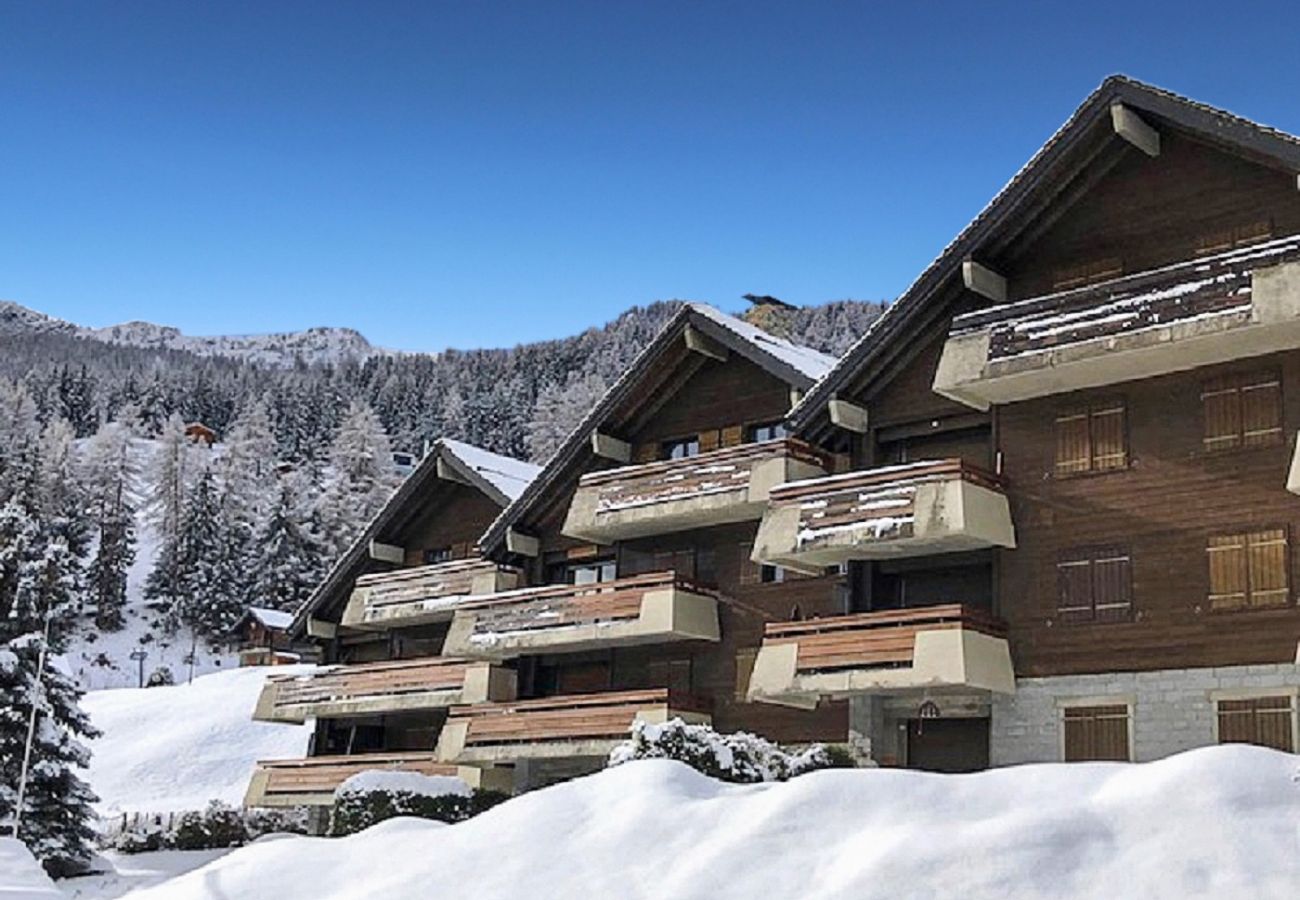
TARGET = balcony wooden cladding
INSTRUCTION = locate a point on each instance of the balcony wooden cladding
(1244, 302)
(913, 509)
(370, 688)
(651, 608)
(312, 781)
(713, 488)
(882, 652)
(577, 725)
(423, 594)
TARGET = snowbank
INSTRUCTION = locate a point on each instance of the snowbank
(1219, 822)
(21, 876)
(404, 782)
(168, 749)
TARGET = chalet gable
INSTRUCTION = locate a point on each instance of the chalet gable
(1137, 178)
(705, 377)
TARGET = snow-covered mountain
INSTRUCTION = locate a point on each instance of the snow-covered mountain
(313, 345)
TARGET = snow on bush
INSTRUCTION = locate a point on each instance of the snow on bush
(370, 797)
(216, 827)
(740, 757)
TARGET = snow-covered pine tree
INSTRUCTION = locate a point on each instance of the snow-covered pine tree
(559, 410)
(361, 476)
(176, 465)
(290, 555)
(247, 466)
(211, 563)
(109, 474)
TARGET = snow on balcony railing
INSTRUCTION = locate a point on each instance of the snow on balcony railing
(424, 593)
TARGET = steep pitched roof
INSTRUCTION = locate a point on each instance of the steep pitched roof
(1215, 126)
(500, 478)
(798, 366)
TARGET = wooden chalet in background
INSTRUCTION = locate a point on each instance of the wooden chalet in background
(1040, 511)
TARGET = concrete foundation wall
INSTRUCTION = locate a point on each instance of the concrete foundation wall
(1172, 709)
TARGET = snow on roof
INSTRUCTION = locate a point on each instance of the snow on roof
(271, 618)
(508, 475)
(810, 362)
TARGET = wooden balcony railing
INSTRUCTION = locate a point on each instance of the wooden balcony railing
(423, 594)
(1202, 311)
(369, 688)
(312, 781)
(880, 652)
(652, 608)
(912, 509)
(577, 725)
(714, 488)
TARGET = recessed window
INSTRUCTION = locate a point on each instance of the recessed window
(680, 448)
(1242, 411)
(1094, 585)
(1096, 733)
(1248, 569)
(771, 574)
(1091, 439)
(437, 555)
(1263, 721)
(768, 431)
(593, 572)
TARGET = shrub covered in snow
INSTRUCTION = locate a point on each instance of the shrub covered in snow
(216, 827)
(368, 798)
(740, 757)
(161, 677)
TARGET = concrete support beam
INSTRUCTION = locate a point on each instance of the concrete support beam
(848, 416)
(447, 472)
(1134, 129)
(523, 544)
(389, 553)
(984, 281)
(610, 447)
(701, 343)
(319, 628)
(795, 396)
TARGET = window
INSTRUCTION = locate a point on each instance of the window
(1242, 411)
(1091, 439)
(1248, 569)
(768, 431)
(593, 572)
(1265, 721)
(1094, 733)
(1094, 584)
(771, 574)
(680, 448)
(437, 555)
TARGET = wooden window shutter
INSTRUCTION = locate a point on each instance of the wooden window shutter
(1222, 410)
(1074, 588)
(749, 570)
(745, 659)
(1094, 733)
(1261, 412)
(1265, 721)
(733, 435)
(1228, 573)
(1073, 444)
(645, 453)
(1107, 435)
(462, 550)
(1225, 239)
(710, 439)
(1112, 585)
(1267, 567)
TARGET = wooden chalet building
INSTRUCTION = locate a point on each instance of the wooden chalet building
(1041, 511)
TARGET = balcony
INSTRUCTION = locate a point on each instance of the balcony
(884, 652)
(568, 727)
(312, 781)
(424, 594)
(913, 509)
(715, 488)
(644, 609)
(384, 687)
(1215, 309)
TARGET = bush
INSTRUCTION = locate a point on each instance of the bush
(217, 827)
(160, 677)
(368, 798)
(740, 757)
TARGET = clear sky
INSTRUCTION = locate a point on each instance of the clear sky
(478, 174)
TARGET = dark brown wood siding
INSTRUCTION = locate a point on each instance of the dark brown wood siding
(1162, 508)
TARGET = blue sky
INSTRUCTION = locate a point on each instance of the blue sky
(480, 174)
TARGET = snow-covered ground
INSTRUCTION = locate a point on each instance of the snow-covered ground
(21, 876)
(132, 873)
(168, 749)
(1222, 822)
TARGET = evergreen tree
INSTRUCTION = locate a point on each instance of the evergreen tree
(361, 476)
(291, 557)
(559, 410)
(108, 474)
(176, 464)
(211, 562)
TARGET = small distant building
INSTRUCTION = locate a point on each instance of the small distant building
(198, 433)
(404, 463)
(262, 638)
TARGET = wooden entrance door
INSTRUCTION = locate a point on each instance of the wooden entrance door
(948, 745)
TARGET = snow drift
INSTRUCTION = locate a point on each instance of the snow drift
(21, 876)
(1219, 822)
(167, 749)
